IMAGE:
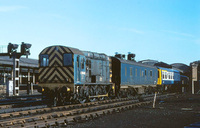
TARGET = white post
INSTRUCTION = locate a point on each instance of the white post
(31, 88)
(33, 77)
(192, 86)
(154, 101)
(20, 77)
(28, 81)
(15, 75)
(4, 78)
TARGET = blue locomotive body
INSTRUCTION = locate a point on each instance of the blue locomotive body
(79, 69)
(97, 68)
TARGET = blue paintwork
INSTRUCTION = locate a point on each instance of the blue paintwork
(174, 80)
(177, 77)
(79, 73)
(138, 78)
(98, 72)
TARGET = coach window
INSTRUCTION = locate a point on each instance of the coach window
(145, 72)
(44, 60)
(151, 74)
(131, 72)
(163, 75)
(82, 63)
(136, 72)
(67, 59)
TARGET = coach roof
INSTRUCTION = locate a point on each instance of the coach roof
(134, 63)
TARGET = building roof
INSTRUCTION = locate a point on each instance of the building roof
(24, 62)
(182, 67)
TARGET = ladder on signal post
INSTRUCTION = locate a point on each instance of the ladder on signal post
(15, 76)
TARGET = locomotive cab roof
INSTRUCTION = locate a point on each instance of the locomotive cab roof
(55, 47)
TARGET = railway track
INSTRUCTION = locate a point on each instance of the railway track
(21, 101)
(65, 115)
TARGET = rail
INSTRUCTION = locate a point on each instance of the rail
(64, 115)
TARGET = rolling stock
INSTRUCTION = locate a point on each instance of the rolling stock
(168, 78)
(132, 77)
(69, 74)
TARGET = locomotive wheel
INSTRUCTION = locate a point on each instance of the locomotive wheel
(55, 101)
(61, 98)
(119, 94)
(100, 92)
(82, 98)
(91, 92)
(122, 93)
(130, 93)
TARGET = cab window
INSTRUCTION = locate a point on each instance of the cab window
(67, 59)
(44, 60)
(82, 63)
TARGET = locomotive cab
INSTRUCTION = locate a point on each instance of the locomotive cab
(60, 68)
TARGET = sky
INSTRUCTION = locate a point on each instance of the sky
(163, 30)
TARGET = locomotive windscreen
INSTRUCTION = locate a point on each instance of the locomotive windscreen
(44, 60)
(67, 59)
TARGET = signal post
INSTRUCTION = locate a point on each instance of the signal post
(12, 52)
